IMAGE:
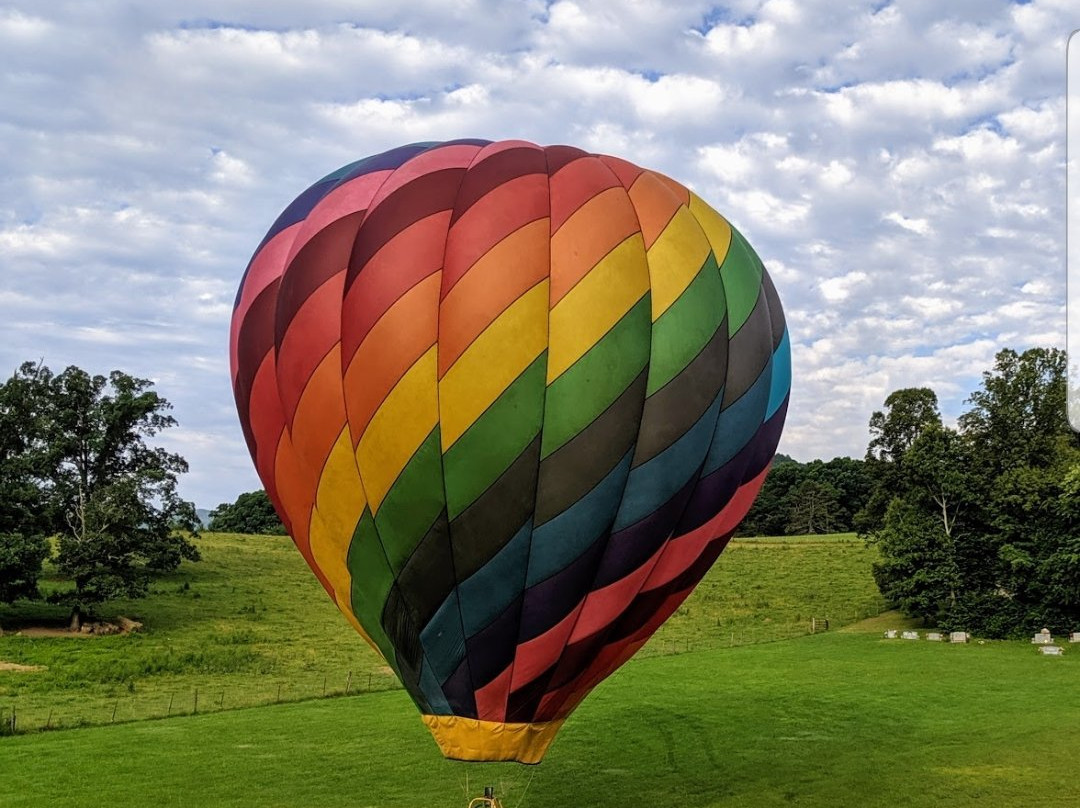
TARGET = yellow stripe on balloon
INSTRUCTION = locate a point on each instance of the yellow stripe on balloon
(338, 505)
(716, 227)
(406, 416)
(675, 259)
(596, 303)
(492, 362)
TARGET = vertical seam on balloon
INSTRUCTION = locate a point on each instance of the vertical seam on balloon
(442, 466)
(539, 455)
(606, 537)
(359, 475)
(606, 631)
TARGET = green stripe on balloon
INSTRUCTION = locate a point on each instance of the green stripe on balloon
(591, 384)
(495, 439)
(687, 326)
(412, 504)
(741, 272)
(371, 581)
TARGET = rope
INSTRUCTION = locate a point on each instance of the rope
(521, 800)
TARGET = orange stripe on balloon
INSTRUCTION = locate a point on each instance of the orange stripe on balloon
(654, 204)
(681, 192)
(391, 347)
(575, 184)
(626, 171)
(405, 260)
(595, 229)
(313, 331)
(297, 500)
(488, 221)
(319, 418)
(502, 275)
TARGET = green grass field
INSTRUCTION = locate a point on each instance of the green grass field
(250, 625)
(839, 719)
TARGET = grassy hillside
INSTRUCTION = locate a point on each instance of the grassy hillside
(250, 625)
(841, 719)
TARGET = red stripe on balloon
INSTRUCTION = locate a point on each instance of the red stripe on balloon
(575, 184)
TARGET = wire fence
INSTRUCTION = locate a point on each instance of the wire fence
(261, 690)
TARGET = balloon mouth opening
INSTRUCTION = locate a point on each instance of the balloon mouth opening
(475, 740)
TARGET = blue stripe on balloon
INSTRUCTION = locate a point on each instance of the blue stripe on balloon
(442, 640)
(492, 588)
(655, 482)
(739, 422)
(781, 375)
(555, 544)
(432, 690)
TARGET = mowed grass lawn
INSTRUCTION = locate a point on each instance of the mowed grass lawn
(839, 719)
(250, 625)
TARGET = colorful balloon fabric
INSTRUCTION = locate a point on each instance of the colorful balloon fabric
(510, 401)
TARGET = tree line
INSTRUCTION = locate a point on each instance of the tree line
(978, 524)
(80, 485)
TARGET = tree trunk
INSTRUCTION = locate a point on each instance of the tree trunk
(76, 619)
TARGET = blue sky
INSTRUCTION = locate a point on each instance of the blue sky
(900, 168)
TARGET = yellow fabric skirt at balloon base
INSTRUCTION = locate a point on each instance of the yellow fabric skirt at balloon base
(471, 739)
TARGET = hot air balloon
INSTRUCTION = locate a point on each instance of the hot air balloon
(511, 402)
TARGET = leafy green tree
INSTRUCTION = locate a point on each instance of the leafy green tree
(23, 546)
(253, 512)
(109, 497)
(814, 508)
(982, 527)
(21, 558)
(908, 412)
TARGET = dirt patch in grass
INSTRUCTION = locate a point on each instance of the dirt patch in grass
(883, 622)
(17, 668)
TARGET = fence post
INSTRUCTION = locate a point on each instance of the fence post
(196, 711)
(348, 683)
(324, 686)
(48, 721)
(114, 709)
(279, 693)
(169, 713)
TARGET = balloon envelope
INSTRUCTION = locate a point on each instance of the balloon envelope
(510, 401)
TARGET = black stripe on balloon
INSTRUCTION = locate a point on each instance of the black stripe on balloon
(749, 352)
(427, 194)
(721, 485)
(428, 574)
(484, 177)
(776, 311)
(579, 465)
(325, 255)
(253, 343)
(679, 404)
(551, 600)
(495, 517)
(523, 703)
(400, 625)
(559, 157)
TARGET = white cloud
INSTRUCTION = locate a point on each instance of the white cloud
(899, 168)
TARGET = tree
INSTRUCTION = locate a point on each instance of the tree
(982, 527)
(814, 508)
(21, 558)
(23, 547)
(908, 412)
(109, 497)
(251, 513)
